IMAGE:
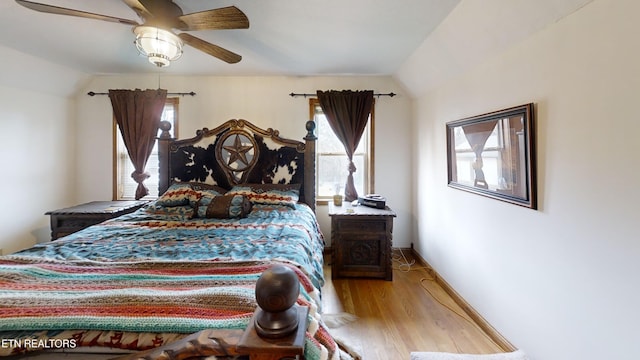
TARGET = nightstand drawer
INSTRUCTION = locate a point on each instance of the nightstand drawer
(355, 225)
(69, 223)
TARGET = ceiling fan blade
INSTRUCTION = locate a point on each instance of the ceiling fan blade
(71, 12)
(215, 19)
(136, 6)
(161, 13)
(213, 50)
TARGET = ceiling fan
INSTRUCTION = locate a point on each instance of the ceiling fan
(155, 37)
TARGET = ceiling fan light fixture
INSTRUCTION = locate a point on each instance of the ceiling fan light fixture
(158, 45)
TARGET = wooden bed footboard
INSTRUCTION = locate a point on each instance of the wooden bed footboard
(238, 152)
(201, 344)
(276, 330)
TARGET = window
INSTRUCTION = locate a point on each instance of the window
(332, 162)
(124, 187)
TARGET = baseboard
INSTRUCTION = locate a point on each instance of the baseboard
(500, 340)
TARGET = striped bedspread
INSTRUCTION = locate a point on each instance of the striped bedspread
(159, 273)
(144, 296)
(170, 233)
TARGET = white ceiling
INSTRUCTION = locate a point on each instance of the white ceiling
(421, 43)
(286, 37)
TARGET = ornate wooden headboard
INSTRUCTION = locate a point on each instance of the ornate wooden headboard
(238, 152)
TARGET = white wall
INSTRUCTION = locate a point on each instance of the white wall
(265, 101)
(37, 153)
(559, 282)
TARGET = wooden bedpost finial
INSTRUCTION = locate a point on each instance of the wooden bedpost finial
(311, 127)
(165, 126)
(277, 290)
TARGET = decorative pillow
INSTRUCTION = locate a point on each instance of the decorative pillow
(269, 194)
(184, 212)
(208, 188)
(223, 207)
(179, 194)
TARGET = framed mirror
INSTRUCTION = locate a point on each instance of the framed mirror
(494, 155)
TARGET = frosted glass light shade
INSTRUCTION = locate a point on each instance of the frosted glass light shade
(160, 46)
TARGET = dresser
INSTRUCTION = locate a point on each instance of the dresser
(361, 239)
(69, 220)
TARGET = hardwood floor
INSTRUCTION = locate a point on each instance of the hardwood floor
(394, 318)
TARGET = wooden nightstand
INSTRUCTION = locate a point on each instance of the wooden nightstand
(69, 220)
(361, 240)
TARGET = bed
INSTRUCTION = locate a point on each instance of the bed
(237, 201)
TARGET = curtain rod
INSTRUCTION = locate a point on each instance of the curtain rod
(91, 93)
(378, 95)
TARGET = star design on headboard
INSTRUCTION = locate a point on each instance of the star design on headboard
(238, 151)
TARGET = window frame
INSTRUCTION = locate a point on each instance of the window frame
(369, 158)
(174, 102)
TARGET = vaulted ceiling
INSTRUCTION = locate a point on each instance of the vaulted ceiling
(293, 37)
(289, 37)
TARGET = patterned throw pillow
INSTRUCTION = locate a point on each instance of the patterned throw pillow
(269, 194)
(222, 207)
(182, 213)
(179, 194)
(208, 188)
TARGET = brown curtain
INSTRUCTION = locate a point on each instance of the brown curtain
(138, 113)
(347, 113)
